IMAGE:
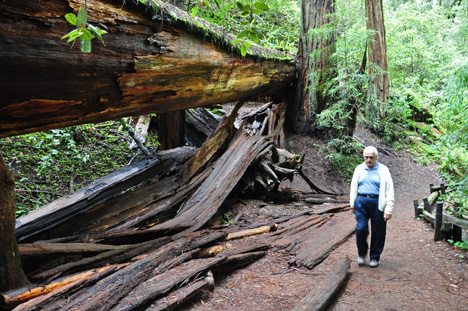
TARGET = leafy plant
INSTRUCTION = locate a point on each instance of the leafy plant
(459, 244)
(226, 219)
(59, 139)
(84, 32)
(344, 155)
(271, 23)
(251, 13)
(51, 164)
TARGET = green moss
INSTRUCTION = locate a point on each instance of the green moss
(207, 29)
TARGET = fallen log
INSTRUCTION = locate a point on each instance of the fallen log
(109, 291)
(323, 293)
(201, 123)
(227, 171)
(56, 249)
(331, 208)
(322, 201)
(140, 208)
(153, 288)
(320, 243)
(145, 45)
(294, 223)
(146, 216)
(250, 232)
(61, 212)
(180, 296)
(212, 251)
(120, 255)
(38, 257)
(298, 224)
(227, 247)
(212, 145)
(297, 234)
(312, 211)
(35, 298)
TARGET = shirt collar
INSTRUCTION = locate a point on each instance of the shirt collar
(376, 167)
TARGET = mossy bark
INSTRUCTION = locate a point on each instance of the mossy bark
(11, 271)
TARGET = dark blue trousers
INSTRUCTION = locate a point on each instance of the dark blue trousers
(368, 209)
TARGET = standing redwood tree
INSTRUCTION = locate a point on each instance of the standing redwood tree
(377, 58)
(314, 66)
(11, 271)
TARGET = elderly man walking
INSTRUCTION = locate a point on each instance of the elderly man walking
(371, 198)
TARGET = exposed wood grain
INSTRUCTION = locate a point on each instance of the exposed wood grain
(146, 67)
(324, 292)
(63, 210)
(323, 241)
(21, 295)
(53, 249)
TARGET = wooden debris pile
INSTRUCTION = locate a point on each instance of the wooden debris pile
(152, 248)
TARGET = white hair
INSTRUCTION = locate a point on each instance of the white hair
(373, 149)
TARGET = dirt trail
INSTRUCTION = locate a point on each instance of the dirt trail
(415, 273)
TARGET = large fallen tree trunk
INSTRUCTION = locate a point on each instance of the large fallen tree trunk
(324, 293)
(60, 211)
(316, 246)
(227, 171)
(150, 64)
(21, 295)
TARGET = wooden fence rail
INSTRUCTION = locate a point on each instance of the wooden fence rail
(445, 225)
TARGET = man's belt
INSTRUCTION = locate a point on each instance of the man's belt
(373, 196)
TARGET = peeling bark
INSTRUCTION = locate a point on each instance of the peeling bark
(11, 271)
(147, 66)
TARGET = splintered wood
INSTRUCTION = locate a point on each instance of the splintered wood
(154, 248)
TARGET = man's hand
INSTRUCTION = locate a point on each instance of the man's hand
(387, 216)
(352, 210)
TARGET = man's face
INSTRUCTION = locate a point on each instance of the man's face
(369, 157)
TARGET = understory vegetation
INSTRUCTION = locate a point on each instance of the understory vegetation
(49, 165)
(426, 114)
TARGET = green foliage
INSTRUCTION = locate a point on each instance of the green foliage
(459, 244)
(344, 154)
(54, 163)
(226, 219)
(58, 142)
(347, 86)
(84, 31)
(428, 69)
(271, 23)
(247, 12)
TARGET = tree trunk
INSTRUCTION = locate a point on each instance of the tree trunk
(377, 50)
(171, 129)
(148, 65)
(314, 66)
(324, 293)
(319, 244)
(11, 271)
(72, 213)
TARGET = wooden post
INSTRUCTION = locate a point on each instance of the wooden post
(438, 222)
(456, 230)
(442, 188)
(430, 187)
(416, 205)
(427, 206)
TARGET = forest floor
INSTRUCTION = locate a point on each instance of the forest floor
(415, 273)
